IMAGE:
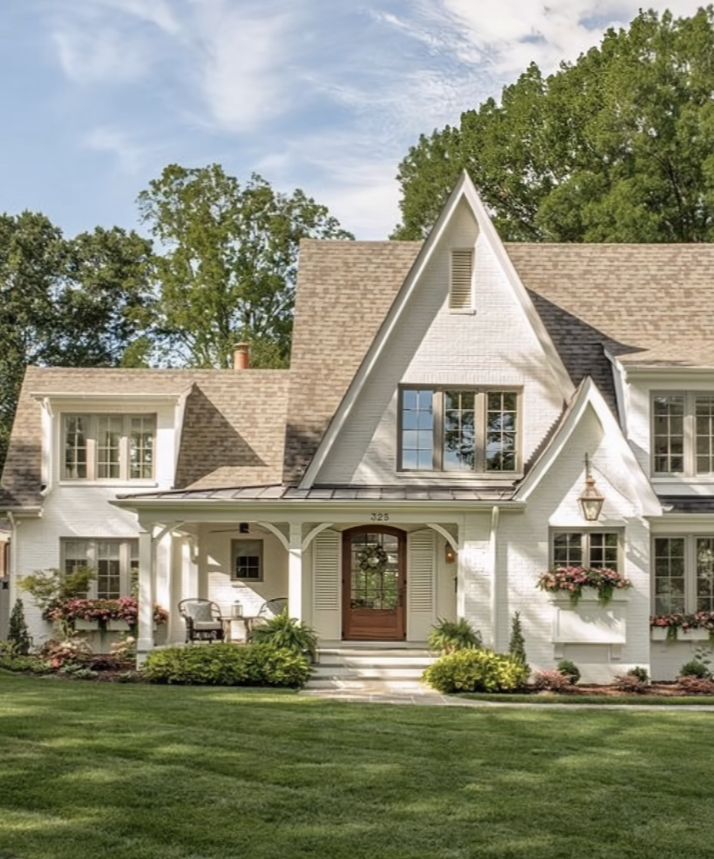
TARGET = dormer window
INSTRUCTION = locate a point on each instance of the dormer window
(461, 280)
(108, 447)
(459, 430)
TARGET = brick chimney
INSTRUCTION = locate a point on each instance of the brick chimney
(241, 356)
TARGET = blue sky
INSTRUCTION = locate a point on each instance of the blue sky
(327, 95)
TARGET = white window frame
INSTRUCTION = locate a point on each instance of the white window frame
(261, 556)
(585, 535)
(92, 447)
(480, 424)
(690, 566)
(128, 551)
(689, 433)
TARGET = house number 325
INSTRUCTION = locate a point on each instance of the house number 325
(379, 517)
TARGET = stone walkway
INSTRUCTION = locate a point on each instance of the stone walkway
(422, 696)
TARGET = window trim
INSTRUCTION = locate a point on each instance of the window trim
(690, 566)
(689, 436)
(480, 413)
(585, 533)
(261, 556)
(470, 310)
(92, 447)
(125, 558)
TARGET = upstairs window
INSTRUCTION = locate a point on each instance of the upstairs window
(459, 430)
(461, 280)
(108, 447)
(683, 434)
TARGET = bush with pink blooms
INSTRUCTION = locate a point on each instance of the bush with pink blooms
(572, 580)
(102, 611)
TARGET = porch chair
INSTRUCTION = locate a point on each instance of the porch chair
(203, 620)
(269, 610)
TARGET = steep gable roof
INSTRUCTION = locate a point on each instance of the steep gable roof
(233, 427)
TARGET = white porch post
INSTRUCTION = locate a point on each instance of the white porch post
(295, 583)
(145, 641)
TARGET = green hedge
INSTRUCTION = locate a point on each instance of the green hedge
(26, 664)
(476, 671)
(227, 665)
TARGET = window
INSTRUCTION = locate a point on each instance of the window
(459, 430)
(683, 573)
(247, 560)
(461, 279)
(108, 447)
(683, 433)
(114, 562)
(669, 562)
(586, 549)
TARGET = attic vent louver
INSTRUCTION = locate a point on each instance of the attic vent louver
(461, 276)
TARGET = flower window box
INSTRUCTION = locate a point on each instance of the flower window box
(82, 625)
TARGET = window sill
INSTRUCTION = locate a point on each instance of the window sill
(473, 476)
(659, 633)
(683, 479)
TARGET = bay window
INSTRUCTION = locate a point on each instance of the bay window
(459, 430)
(108, 446)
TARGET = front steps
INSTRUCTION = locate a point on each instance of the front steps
(393, 667)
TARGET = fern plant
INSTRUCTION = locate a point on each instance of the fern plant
(286, 632)
(448, 636)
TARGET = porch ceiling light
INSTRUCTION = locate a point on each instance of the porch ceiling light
(591, 500)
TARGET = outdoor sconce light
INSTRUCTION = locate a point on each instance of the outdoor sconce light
(591, 501)
(450, 554)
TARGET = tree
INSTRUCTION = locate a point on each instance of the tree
(78, 302)
(18, 634)
(229, 262)
(617, 146)
(517, 643)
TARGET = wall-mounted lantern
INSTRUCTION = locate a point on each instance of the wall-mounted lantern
(450, 554)
(591, 500)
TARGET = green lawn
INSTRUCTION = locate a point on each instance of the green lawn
(160, 773)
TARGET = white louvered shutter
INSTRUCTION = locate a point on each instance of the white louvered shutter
(326, 584)
(421, 565)
(461, 279)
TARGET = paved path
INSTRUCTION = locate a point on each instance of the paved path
(427, 697)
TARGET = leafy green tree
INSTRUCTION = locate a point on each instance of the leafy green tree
(229, 262)
(84, 301)
(18, 634)
(618, 146)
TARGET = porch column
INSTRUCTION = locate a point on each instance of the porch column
(145, 641)
(295, 584)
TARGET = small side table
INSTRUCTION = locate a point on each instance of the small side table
(229, 620)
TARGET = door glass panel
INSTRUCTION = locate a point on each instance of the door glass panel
(375, 580)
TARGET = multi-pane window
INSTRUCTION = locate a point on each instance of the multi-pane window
(683, 433)
(247, 560)
(464, 430)
(108, 447)
(669, 563)
(113, 562)
(586, 549)
(683, 573)
(417, 429)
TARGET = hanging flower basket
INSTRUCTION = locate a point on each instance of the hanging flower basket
(373, 559)
(572, 580)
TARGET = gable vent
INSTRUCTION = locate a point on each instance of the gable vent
(461, 276)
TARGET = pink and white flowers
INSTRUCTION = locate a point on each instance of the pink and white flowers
(572, 580)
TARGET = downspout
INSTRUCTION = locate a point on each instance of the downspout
(12, 572)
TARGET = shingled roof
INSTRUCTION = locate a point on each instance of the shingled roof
(233, 431)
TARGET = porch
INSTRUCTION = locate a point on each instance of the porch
(352, 581)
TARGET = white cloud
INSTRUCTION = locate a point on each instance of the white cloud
(99, 56)
(129, 155)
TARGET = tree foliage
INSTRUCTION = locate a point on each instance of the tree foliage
(618, 146)
(75, 302)
(18, 634)
(229, 261)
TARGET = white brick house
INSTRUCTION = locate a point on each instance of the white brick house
(441, 401)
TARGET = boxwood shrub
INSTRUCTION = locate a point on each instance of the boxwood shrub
(476, 671)
(227, 665)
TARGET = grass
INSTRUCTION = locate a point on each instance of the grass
(605, 700)
(191, 773)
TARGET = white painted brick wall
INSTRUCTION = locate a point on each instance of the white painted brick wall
(494, 346)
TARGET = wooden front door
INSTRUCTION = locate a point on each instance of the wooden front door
(374, 584)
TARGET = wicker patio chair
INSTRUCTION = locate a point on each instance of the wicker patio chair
(269, 610)
(203, 620)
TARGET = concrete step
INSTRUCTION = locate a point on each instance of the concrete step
(362, 661)
(368, 672)
(367, 686)
(374, 653)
